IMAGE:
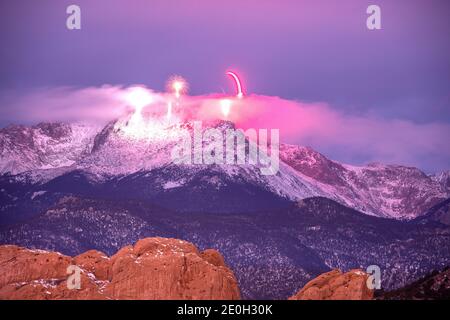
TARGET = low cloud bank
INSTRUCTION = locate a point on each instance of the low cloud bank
(354, 139)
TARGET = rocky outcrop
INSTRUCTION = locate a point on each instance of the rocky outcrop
(154, 268)
(335, 285)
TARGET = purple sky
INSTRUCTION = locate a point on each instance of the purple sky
(312, 51)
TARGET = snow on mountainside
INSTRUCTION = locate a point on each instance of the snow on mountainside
(46, 151)
(391, 191)
(44, 146)
(443, 178)
(116, 154)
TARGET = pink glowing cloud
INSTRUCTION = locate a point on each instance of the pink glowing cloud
(350, 138)
(97, 104)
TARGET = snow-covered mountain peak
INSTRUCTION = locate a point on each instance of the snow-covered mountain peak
(443, 178)
(393, 191)
(131, 145)
(44, 146)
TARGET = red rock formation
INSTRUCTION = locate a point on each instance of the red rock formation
(335, 285)
(154, 268)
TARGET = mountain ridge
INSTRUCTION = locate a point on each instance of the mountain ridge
(41, 153)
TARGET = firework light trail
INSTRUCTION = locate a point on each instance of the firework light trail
(169, 110)
(139, 97)
(178, 86)
(225, 105)
(237, 80)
